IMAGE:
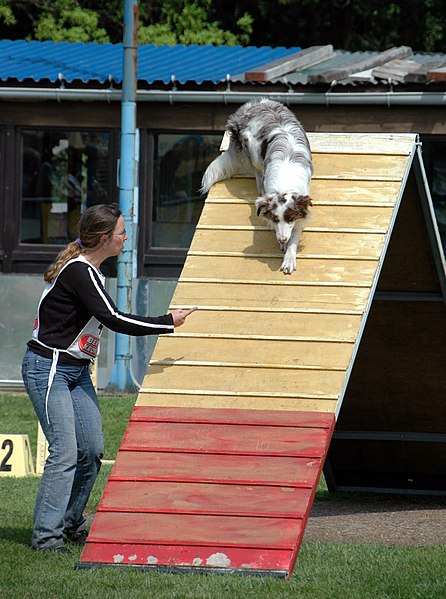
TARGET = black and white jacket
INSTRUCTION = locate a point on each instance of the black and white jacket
(73, 310)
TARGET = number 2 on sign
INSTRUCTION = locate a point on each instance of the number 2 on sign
(9, 446)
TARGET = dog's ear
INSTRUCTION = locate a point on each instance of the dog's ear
(262, 204)
(302, 203)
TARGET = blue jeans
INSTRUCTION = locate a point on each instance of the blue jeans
(72, 424)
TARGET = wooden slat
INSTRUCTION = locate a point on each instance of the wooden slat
(346, 166)
(331, 242)
(301, 60)
(245, 401)
(253, 417)
(393, 144)
(253, 352)
(204, 498)
(400, 70)
(312, 383)
(313, 325)
(302, 297)
(342, 191)
(438, 74)
(216, 468)
(344, 216)
(225, 439)
(242, 268)
(362, 65)
(182, 558)
(163, 529)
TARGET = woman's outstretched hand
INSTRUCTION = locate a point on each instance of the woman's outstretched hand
(179, 316)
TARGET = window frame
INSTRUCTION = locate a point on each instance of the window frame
(33, 258)
(157, 261)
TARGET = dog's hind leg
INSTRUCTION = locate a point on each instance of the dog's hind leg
(223, 167)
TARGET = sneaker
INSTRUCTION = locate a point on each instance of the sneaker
(75, 536)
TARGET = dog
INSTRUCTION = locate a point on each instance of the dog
(267, 140)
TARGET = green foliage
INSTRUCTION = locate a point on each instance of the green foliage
(67, 22)
(6, 13)
(352, 25)
(182, 22)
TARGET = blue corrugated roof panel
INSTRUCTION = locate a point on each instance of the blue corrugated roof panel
(35, 60)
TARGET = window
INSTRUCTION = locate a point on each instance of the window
(179, 161)
(63, 172)
(50, 175)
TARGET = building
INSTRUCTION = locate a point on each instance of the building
(60, 143)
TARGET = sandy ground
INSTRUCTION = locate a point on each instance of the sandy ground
(391, 520)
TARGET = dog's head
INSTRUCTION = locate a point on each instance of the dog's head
(282, 211)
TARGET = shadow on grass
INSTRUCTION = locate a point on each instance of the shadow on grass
(22, 536)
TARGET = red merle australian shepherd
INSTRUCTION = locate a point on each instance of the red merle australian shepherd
(266, 140)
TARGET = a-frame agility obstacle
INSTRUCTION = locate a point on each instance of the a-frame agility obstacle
(220, 461)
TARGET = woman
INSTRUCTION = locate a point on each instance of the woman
(72, 311)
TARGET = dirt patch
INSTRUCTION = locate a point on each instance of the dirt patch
(389, 519)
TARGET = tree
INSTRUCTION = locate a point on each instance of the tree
(347, 24)
(168, 22)
(179, 22)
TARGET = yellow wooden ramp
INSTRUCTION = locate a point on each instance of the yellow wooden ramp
(222, 456)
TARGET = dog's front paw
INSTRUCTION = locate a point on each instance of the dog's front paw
(288, 265)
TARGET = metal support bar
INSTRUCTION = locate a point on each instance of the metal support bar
(121, 377)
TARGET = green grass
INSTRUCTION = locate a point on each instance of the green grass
(323, 570)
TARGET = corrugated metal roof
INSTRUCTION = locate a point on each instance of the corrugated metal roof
(35, 60)
(318, 65)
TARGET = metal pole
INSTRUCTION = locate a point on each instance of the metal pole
(121, 375)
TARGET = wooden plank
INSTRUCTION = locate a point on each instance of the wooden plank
(364, 167)
(370, 218)
(294, 62)
(361, 65)
(311, 383)
(204, 498)
(224, 439)
(183, 557)
(301, 297)
(400, 70)
(253, 417)
(339, 192)
(369, 167)
(313, 325)
(216, 468)
(229, 531)
(252, 352)
(392, 144)
(313, 242)
(240, 268)
(333, 191)
(246, 401)
(438, 74)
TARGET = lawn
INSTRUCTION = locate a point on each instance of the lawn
(323, 570)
